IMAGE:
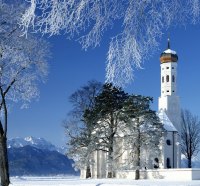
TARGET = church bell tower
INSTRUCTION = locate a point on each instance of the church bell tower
(169, 105)
(169, 100)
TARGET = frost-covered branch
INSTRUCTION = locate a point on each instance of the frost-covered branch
(142, 23)
(22, 65)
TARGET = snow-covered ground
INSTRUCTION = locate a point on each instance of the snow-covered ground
(73, 181)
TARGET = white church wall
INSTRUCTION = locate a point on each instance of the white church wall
(167, 174)
(170, 150)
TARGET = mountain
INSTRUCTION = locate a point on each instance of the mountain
(29, 160)
(36, 156)
(39, 143)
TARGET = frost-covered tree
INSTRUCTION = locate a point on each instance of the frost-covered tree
(119, 115)
(142, 24)
(113, 115)
(79, 127)
(144, 132)
(107, 113)
(190, 135)
(22, 65)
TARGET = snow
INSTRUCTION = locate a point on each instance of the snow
(166, 122)
(169, 51)
(72, 181)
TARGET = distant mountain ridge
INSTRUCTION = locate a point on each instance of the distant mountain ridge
(36, 156)
(39, 143)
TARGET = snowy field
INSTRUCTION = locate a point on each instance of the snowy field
(73, 181)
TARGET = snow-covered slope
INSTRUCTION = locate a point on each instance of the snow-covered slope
(39, 143)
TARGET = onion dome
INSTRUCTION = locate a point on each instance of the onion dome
(168, 55)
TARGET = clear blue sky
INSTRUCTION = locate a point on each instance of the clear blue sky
(71, 67)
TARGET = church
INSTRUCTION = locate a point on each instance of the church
(169, 114)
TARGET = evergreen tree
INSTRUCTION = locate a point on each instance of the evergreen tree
(107, 111)
(113, 113)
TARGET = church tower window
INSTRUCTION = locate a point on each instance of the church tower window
(167, 78)
(173, 78)
(162, 79)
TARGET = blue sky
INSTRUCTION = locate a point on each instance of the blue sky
(71, 67)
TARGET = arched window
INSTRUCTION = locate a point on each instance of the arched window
(173, 78)
(156, 163)
(167, 78)
(162, 79)
(168, 163)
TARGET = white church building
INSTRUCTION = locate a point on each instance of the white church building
(169, 109)
(169, 114)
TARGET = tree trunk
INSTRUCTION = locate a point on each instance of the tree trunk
(137, 172)
(110, 148)
(189, 162)
(110, 161)
(88, 172)
(5, 181)
(110, 157)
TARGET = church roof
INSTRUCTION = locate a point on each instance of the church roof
(166, 122)
(169, 51)
(168, 55)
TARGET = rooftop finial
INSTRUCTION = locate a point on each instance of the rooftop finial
(168, 43)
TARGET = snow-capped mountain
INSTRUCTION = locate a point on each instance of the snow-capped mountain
(36, 156)
(29, 160)
(39, 143)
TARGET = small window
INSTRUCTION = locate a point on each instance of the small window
(168, 142)
(173, 91)
(167, 90)
(173, 78)
(167, 67)
(167, 78)
(162, 79)
(172, 67)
